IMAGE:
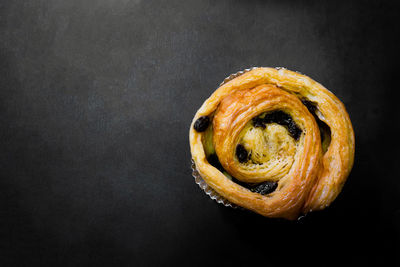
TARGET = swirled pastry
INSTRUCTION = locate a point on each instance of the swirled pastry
(273, 141)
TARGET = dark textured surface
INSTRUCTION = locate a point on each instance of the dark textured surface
(96, 99)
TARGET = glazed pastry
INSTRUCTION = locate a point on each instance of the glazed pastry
(273, 141)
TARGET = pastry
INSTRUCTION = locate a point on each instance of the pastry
(273, 141)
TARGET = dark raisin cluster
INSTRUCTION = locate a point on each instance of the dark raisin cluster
(324, 129)
(241, 153)
(258, 122)
(281, 118)
(201, 124)
(309, 105)
(264, 188)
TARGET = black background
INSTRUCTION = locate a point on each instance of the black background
(96, 99)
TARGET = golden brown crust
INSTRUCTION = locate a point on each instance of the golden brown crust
(309, 179)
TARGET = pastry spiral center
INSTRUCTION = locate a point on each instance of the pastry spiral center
(257, 133)
(268, 148)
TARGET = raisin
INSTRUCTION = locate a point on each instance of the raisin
(201, 124)
(309, 105)
(281, 118)
(241, 153)
(265, 188)
(258, 122)
(284, 119)
(294, 130)
(324, 129)
(278, 116)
